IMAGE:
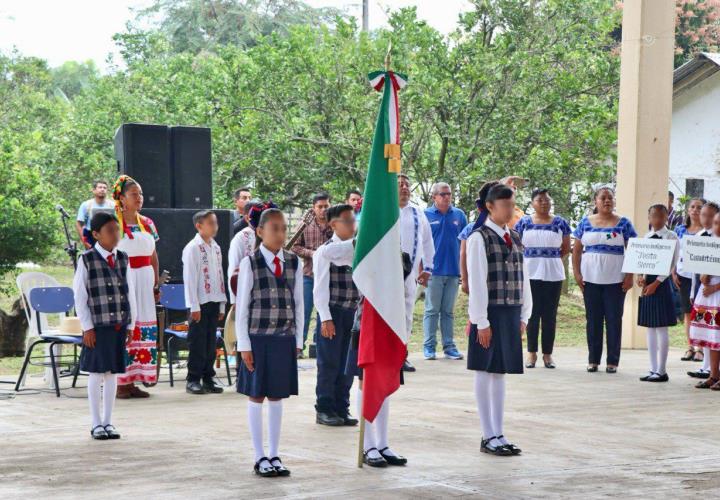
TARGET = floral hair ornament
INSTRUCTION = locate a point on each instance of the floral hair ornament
(117, 191)
(257, 210)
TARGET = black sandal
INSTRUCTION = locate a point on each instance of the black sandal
(100, 435)
(500, 451)
(279, 467)
(265, 471)
(707, 383)
(392, 459)
(514, 449)
(689, 355)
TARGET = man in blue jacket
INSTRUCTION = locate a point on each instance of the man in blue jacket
(446, 223)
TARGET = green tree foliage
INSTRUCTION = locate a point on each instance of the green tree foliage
(28, 223)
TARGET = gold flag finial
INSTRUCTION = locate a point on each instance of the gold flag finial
(387, 56)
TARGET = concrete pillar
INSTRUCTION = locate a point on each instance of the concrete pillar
(648, 41)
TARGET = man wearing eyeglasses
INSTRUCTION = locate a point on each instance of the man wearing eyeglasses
(446, 223)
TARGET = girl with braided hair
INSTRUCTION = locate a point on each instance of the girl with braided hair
(138, 237)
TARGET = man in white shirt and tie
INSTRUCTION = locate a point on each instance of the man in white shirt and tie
(416, 240)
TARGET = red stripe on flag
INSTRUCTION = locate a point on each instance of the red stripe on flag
(381, 356)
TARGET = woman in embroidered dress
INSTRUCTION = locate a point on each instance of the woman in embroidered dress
(138, 242)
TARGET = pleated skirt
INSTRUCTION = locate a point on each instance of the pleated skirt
(108, 355)
(275, 362)
(505, 354)
(657, 310)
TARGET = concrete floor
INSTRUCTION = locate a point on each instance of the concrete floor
(583, 435)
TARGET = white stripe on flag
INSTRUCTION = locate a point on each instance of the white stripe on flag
(379, 277)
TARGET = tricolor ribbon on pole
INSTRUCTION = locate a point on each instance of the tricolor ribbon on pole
(390, 113)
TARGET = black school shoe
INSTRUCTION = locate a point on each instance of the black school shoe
(392, 459)
(374, 462)
(330, 419)
(263, 470)
(513, 449)
(111, 432)
(698, 374)
(98, 432)
(279, 467)
(348, 420)
(656, 377)
(500, 451)
(194, 388)
(212, 387)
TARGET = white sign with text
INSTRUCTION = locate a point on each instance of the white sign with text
(701, 255)
(649, 256)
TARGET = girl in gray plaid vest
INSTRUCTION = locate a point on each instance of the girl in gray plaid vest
(104, 303)
(499, 307)
(269, 324)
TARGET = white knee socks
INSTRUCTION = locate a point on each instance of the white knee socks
(255, 424)
(274, 423)
(658, 345)
(490, 398)
(94, 391)
(255, 421)
(706, 360)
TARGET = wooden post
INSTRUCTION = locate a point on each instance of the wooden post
(646, 73)
(361, 439)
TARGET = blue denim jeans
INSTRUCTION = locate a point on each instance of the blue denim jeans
(308, 282)
(440, 298)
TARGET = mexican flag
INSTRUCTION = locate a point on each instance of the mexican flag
(377, 269)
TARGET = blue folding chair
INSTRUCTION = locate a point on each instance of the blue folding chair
(172, 298)
(50, 300)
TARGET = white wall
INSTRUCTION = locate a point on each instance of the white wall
(695, 138)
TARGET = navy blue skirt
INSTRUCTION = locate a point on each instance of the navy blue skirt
(275, 374)
(108, 355)
(505, 354)
(658, 309)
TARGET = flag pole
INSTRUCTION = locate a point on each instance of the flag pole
(361, 439)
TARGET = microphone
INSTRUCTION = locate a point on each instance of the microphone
(62, 211)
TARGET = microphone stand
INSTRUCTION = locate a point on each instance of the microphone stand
(71, 248)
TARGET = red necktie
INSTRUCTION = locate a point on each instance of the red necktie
(278, 271)
(111, 261)
(507, 239)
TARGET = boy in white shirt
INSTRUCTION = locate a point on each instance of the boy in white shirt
(205, 297)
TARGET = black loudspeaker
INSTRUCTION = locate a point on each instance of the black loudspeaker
(191, 160)
(143, 152)
(175, 229)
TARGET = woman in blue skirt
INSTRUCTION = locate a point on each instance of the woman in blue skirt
(656, 309)
(269, 323)
(499, 307)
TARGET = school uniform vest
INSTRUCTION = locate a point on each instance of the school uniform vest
(505, 268)
(107, 289)
(343, 292)
(272, 303)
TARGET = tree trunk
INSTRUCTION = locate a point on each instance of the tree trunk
(13, 329)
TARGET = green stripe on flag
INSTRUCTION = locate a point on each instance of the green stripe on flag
(380, 202)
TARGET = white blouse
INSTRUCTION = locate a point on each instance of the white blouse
(543, 244)
(604, 250)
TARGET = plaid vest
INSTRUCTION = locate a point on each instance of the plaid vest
(505, 268)
(343, 292)
(272, 302)
(107, 289)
